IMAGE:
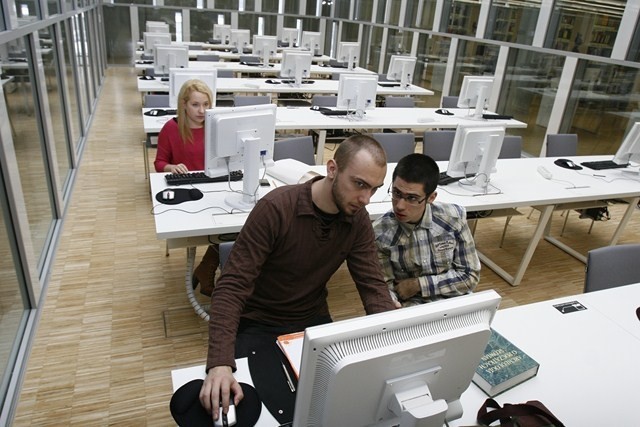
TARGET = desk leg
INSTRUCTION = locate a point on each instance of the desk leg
(614, 239)
(322, 138)
(545, 214)
(202, 311)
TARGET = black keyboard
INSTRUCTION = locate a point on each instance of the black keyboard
(199, 178)
(304, 82)
(497, 116)
(330, 112)
(603, 164)
(385, 84)
(445, 179)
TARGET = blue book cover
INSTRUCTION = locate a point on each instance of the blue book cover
(503, 366)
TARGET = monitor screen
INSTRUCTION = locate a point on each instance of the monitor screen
(629, 150)
(401, 69)
(357, 92)
(178, 76)
(349, 53)
(475, 93)
(289, 37)
(170, 56)
(368, 370)
(157, 27)
(311, 41)
(296, 65)
(221, 33)
(475, 152)
(240, 39)
(240, 138)
(152, 39)
(265, 47)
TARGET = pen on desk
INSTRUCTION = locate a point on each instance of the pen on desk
(274, 184)
(288, 377)
(600, 176)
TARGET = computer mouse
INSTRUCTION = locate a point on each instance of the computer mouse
(229, 419)
(168, 195)
(567, 164)
(444, 112)
(195, 194)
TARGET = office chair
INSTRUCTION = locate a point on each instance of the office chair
(511, 149)
(225, 250)
(242, 100)
(211, 57)
(562, 145)
(399, 102)
(449, 102)
(298, 148)
(225, 73)
(396, 145)
(437, 144)
(156, 101)
(324, 100)
(250, 58)
(612, 266)
(195, 47)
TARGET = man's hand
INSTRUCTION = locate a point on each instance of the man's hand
(407, 288)
(216, 389)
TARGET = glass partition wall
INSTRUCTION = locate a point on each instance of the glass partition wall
(52, 71)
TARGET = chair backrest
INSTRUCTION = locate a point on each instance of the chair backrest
(511, 147)
(396, 145)
(399, 102)
(612, 266)
(241, 100)
(562, 144)
(156, 101)
(212, 57)
(324, 100)
(249, 58)
(449, 102)
(196, 47)
(225, 249)
(225, 73)
(437, 144)
(298, 148)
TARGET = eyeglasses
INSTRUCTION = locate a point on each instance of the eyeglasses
(411, 199)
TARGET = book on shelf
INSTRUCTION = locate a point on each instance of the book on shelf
(291, 346)
(503, 366)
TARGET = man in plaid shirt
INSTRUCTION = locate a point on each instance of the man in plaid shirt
(426, 249)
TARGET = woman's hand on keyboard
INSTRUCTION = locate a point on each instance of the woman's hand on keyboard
(179, 168)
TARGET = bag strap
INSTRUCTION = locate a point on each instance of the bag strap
(505, 414)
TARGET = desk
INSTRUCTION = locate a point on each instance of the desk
(272, 69)
(288, 118)
(589, 371)
(260, 85)
(235, 56)
(519, 183)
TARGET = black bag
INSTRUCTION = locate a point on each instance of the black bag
(530, 414)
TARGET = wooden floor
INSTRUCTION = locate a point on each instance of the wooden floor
(116, 319)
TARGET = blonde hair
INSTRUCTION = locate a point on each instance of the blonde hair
(190, 86)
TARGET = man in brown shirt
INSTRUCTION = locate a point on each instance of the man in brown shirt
(295, 238)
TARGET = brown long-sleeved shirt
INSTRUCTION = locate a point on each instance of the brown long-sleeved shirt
(280, 265)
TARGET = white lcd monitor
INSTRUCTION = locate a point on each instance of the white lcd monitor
(357, 92)
(221, 33)
(179, 76)
(289, 37)
(150, 41)
(312, 40)
(265, 47)
(405, 367)
(240, 40)
(170, 56)
(296, 65)
(157, 27)
(349, 53)
(240, 138)
(475, 93)
(629, 150)
(474, 153)
(401, 69)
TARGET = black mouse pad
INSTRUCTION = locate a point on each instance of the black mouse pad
(180, 195)
(187, 410)
(265, 365)
(563, 164)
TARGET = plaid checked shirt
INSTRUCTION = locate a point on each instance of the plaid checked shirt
(439, 251)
